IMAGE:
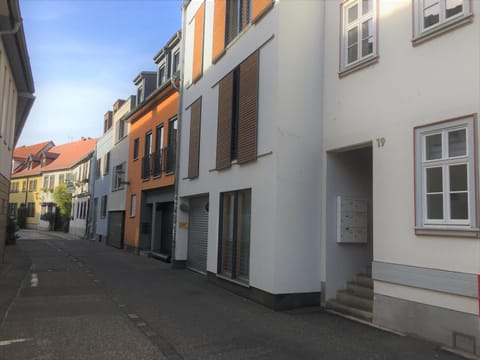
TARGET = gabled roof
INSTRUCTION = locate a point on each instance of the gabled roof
(22, 152)
(70, 154)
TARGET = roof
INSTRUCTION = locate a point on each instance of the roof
(70, 154)
(23, 152)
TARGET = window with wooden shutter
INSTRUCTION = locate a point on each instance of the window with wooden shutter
(237, 114)
(224, 129)
(259, 8)
(194, 146)
(219, 16)
(199, 18)
(247, 109)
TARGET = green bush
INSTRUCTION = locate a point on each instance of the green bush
(22, 216)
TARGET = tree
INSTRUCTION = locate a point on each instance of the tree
(64, 204)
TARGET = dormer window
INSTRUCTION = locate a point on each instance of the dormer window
(161, 74)
(140, 95)
(175, 61)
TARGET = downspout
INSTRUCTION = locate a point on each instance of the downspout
(179, 137)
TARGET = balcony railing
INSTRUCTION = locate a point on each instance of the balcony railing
(146, 167)
(157, 162)
(162, 161)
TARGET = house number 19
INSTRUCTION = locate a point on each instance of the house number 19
(381, 142)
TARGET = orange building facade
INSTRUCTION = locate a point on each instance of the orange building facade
(152, 158)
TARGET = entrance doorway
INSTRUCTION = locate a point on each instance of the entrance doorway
(349, 232)
(163, 230)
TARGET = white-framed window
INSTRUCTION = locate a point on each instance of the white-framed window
(133, 205)
(359, 32)
(445, 175)
(432, 15)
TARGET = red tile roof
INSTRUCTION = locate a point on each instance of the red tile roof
(69, 154)
(22, 152)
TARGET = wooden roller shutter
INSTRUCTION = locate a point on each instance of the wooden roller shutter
(197, 68)
(224, 128)
(194, 148)
(219, 16)
(259, 8)
(247, 109)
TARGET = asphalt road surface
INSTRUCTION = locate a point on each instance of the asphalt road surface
(64, 298)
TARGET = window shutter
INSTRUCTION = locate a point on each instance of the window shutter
(259, 8)
(219, 18)
(224, 129)
(247, 109)
(194, 149)
(197, 69)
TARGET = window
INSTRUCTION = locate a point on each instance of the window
(106, 163)
(133, 205)
(161, 75)
(433, 15)
(197, 66)
(121, 128)
(32, 187)
(140, 95)
(238, 16)
(45, 182)
(118, 177)
(231, 17)
(12, 209)
(103, 207)
(171, 146)
(359, 32)
(136, 146)
(445, 175)
(237, 114)
(99, 168)
(148, 143)
(61, 178)
(31, 209)
(194, 145)
(51, 184)
(234, 244)
(24, 186)
(158, 154)
(176, 61)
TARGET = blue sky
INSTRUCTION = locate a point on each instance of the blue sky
(85, 55)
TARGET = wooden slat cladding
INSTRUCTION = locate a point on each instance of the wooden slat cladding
(247, 109)
(224, 129)
(259, 8)
(194, 147)
(219, 16)
(197, 69)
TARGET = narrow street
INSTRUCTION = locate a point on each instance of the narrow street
(64, 298)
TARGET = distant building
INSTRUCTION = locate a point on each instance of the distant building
(25, 185)
(71, 165)
(16, 98)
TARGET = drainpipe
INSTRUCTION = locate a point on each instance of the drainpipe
(179, 133)
(13, 30)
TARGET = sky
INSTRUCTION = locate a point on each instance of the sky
(84, 56)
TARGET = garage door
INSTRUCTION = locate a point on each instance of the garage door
(115, 229)
(198, 234)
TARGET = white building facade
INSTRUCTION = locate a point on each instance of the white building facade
(249, 190)
(400, 135)
(103, 179)
(119, 169)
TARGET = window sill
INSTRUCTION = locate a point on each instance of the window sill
(235, 162)
(441, 29)
(448, 232)
(371, 60)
